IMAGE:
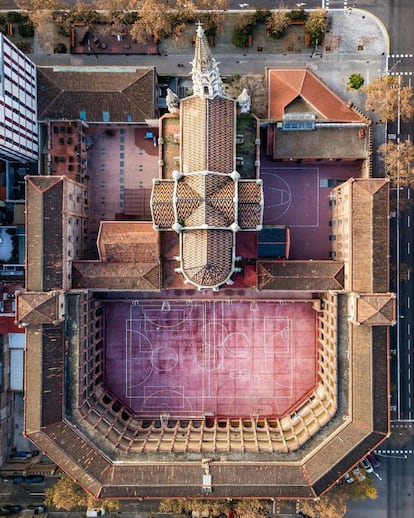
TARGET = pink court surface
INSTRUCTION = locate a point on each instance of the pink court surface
(199, 358)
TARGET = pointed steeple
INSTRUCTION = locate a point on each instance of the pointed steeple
(205, 72)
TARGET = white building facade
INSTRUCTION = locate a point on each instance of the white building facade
(18, 105)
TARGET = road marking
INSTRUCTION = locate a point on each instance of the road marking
(409, 374)
(408, 302)
(408, 248)
(408, 275)
(408, 329)
(409, 402)
(409, 359)
(408, 193)
(409, 344)
(408, 221)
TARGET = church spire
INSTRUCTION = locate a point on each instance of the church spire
(205, 72)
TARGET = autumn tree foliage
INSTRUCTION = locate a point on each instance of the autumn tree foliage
(66, 494)
(315, 26)
(399, 161)
(277, 23)
(387, 96)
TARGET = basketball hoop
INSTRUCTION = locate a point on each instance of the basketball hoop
(254, 307)
(165, 308)
(164, 420)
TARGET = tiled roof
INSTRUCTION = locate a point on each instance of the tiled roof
(128, 242)
(207, 134)
(376, 309)
(44, 205)
(116, 276)
(300, 275)
(37, 307)
(206, 199)
(117, 91)
(370, 235)
(250, 204)
(207, 256)
(287, 85)
(162, 206)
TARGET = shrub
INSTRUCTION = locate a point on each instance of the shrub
(240, 36)
(26, 29)
(355, 81)
(297, 14)
(2, 19)
(261, 15)
(60, 49)
(14, 17)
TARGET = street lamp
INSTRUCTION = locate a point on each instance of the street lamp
(392, 456)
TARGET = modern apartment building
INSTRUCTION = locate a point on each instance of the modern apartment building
(18, 105)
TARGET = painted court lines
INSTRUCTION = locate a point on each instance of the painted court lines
(196, 358)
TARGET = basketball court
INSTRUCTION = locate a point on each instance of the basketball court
(199, 358)
(297, 195)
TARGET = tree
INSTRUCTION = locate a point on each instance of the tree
(255, 86)
(66, 494)
(330, 505)
(315, 26)
(182, 506)
(152, 22)
(277, 23)
(249, 508)
(360, 490)
(387, 97)
(399, 161)
(355, 81)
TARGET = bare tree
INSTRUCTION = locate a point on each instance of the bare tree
(386, 96)
(255, 86)
(399, 161)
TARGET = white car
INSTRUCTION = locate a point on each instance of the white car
(91, 513)
(365, 463)
(348, 478)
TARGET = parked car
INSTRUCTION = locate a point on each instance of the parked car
(10, 509)
(25, 454)
(16, 479)
(365, 463)
(348, 478)
(359, 475)
(91, 513)
(373, 459)
(34, 479)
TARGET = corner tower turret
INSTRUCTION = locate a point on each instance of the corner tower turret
(205, 73)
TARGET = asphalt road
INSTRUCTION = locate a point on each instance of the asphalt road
(396, 483)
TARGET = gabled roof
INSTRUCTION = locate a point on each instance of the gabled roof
(116, 276)
(287, 85)
(119, 91)
(300, 275)
(132, 241)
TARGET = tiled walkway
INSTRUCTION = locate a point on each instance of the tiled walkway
(118, 159)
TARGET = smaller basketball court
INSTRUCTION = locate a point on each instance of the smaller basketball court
(199, 358)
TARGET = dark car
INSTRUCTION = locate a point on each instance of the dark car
(25, 454)
(10, 509)
(373, 459)
(34, 479)
(16, 479)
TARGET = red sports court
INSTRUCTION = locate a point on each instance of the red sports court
(224, 358)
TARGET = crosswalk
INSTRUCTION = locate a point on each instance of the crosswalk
(394, 452)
